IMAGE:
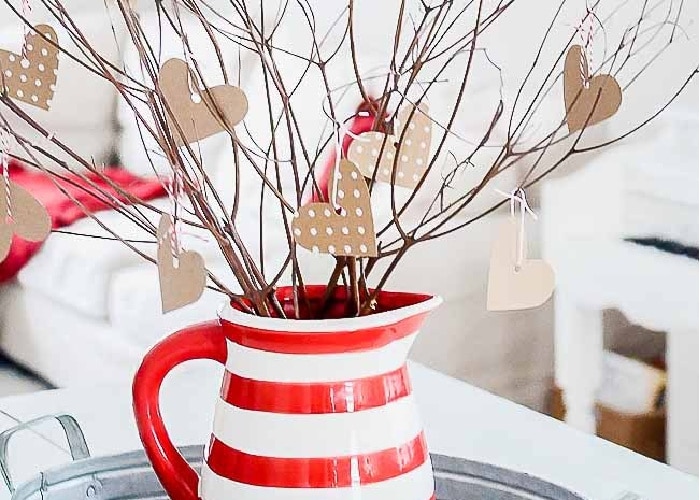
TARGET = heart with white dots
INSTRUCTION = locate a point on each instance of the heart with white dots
(411, 159)
(348, 231)
(31, 76)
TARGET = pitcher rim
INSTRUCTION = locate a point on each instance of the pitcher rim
(239, 318)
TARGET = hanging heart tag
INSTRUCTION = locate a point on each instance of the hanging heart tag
(588, 100)
(31, 75)
(514, 287)
(413, 153)
(516, 282)
(321, 228)
(28, 219)
(182, 276)
(216, 109)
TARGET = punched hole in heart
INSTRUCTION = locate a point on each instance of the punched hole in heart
(169, 239)
(195, 97)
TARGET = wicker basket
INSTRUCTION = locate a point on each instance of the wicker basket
(644, 434)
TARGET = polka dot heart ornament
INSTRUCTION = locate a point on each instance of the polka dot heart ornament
(412, 158)
(348, 231)
(31, 75)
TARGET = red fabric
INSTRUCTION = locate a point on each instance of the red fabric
(360, 123)
(62, 210)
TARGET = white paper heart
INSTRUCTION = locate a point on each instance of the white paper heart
(511, 288)
(413, 153)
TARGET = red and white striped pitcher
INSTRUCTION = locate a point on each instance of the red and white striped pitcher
(309, 409)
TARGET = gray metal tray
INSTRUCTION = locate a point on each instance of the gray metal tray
(130, 476)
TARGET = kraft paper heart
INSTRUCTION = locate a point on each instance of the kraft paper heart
(319, 228)
(510, 288)
(29, 219)
(31, 79)
(179, 285)
(199, 120)
(413, 153)
(599, 101)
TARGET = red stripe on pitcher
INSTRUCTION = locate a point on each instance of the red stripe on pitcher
(316, 398)
(331, 472)
(331, 342)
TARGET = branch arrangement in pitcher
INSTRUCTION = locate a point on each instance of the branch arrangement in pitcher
(411, 161)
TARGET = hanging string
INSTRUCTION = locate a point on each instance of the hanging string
(518, 196)
(177, 206)
(175, 189)
(340, 132)
(5, 154)
(26, 12)
(333, 195)
(188, 56)
(585, 31)
(196, 176)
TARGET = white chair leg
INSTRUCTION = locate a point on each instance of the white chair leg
(578, 359)
(682, 400)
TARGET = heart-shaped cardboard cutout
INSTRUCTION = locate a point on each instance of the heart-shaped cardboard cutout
(319, 228)
(412, 155)
(586, 106)
(31, 79)
(512, 289)
(29, 220)
(179, 285)
(220, 108)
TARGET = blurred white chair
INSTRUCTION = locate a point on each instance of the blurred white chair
(644, 189)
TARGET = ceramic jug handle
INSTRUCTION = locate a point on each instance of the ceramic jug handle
(203, 341)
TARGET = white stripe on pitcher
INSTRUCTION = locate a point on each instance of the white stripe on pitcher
(282, 435)
(273, 367)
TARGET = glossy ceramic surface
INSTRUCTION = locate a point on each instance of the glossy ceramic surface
(318, 409)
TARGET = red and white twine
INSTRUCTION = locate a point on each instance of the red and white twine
(175, 191)
(26, 12)
(5, 154)
(585, 31)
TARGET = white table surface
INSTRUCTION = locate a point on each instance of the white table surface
(460, 420)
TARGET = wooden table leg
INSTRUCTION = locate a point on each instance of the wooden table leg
(578, 359)
(682, 400)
